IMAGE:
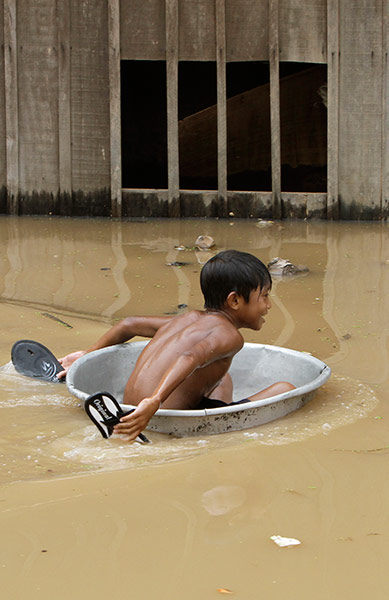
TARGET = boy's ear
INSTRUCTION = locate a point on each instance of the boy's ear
(233, 300)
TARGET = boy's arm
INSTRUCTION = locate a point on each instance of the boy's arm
(202, 354)
(119, 333)
(129, 328)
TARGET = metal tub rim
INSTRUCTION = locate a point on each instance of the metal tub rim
(293, 398)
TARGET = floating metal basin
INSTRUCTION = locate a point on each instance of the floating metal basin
(255, 367)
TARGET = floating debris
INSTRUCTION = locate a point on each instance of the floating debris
(282, 267)
(177, 263)
(204, 242)
(54, 318)
(284, 542)
(261, 224)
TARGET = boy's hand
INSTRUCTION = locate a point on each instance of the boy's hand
(67, 361)
(133, 424)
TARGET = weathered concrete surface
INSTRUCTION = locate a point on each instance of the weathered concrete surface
(37, 103)
(3, 199)
(54, 106)
(360, 109)
(302, 30)
(147, 203)
(89, 81)
(353, 210)
(76, 204)
(250, 204)
(304, 206)
(155, 204)
(3, 171)
(240, 205)
(197, 204)
(93, 204)
(55, 111)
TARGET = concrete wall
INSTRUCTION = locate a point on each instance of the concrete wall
(302, 28)
(54, 106)
(3, 166)
(60, 97)
(361, 123)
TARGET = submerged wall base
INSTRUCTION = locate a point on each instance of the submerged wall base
(154, 203)
(192, 203)
(75, 204)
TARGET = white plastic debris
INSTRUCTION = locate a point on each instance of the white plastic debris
(204, 242)
(284, 542)
(262, 223)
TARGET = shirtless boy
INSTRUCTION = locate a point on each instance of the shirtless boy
(185, 365)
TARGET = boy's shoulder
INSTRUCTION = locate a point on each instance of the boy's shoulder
(196, 325)
(190, 315)
(220, 324)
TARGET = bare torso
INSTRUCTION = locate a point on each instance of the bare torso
(176, 337)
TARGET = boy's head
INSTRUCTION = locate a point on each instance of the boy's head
(232, 271)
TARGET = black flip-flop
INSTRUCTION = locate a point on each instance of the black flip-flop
(35, 360)
(105, 412)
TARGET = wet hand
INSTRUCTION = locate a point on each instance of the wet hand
(133, 424)
(68, 360)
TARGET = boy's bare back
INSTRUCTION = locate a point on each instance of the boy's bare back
(206, 340)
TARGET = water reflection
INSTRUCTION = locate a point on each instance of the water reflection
(118, 272)
(110, 269)
(355, 304)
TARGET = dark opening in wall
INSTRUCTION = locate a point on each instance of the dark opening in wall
(197, 114)
(144, 124)
(248, 126)
(303, 115)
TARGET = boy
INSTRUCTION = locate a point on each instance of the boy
(185, 365)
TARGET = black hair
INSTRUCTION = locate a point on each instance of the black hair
(232, 271)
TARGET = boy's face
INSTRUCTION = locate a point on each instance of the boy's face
(252, 312)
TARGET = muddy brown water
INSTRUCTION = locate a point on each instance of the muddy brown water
(83, 517)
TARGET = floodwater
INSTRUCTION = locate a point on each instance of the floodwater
(83, 517)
